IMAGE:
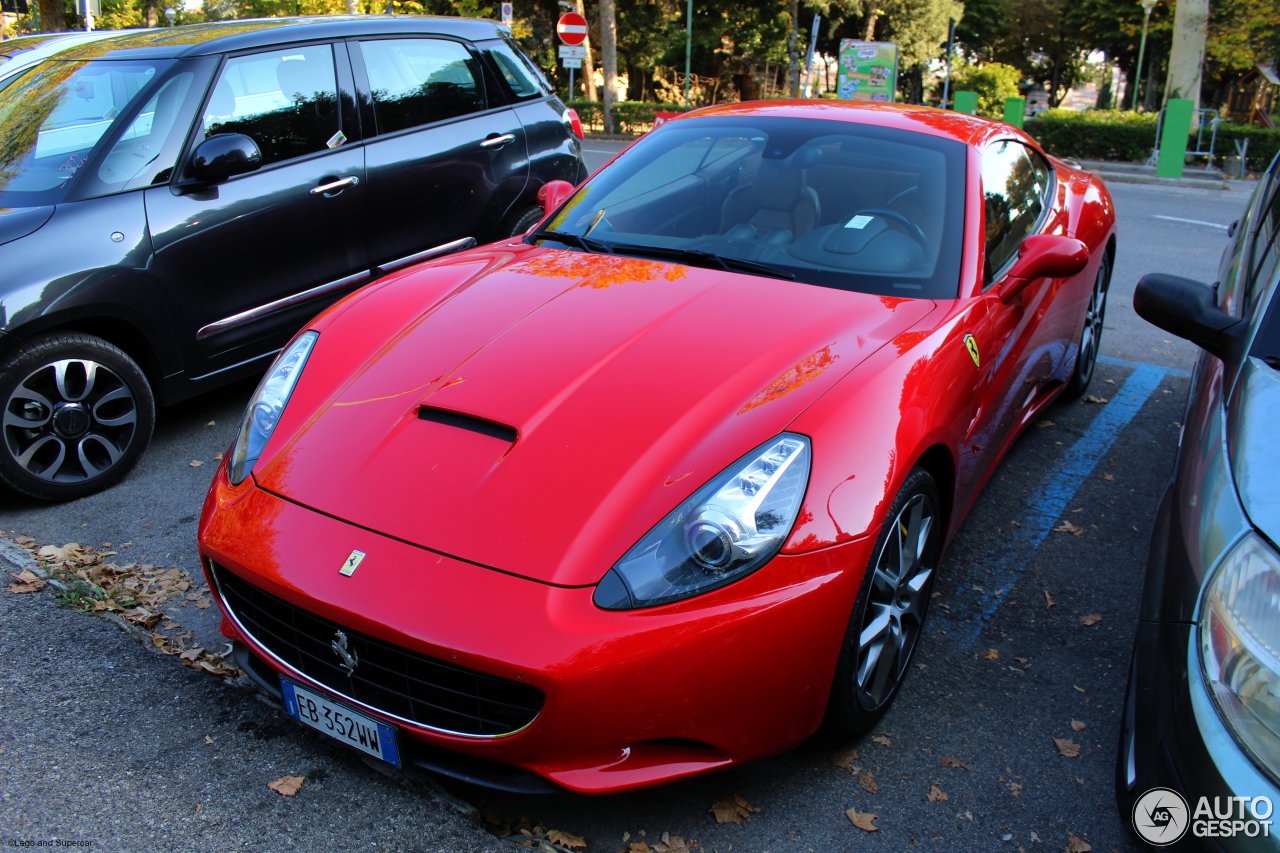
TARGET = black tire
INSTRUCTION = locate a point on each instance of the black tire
(888, 616)
(78, 412)
(527, 219)
(1090, 334)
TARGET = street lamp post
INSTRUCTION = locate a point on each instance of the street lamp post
(688, 48)
(1147, 6)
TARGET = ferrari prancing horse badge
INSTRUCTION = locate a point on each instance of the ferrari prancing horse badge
(971, 344)
(352, 563)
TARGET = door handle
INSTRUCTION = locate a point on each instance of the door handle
(335, 185)
(498, 141)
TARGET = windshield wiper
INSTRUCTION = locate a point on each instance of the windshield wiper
(700, 258)
(584, 243)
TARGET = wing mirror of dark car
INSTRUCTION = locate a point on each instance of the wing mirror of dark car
(1043, 256)
(553, 194)
(1188, 309)
(225, 156)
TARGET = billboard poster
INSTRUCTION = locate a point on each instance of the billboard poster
(868, 71)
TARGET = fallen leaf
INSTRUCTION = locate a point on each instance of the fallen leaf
(992, 654)
(1077, 844)
(1049, 603)
(1044, 424)
(196, 463)
(211, 423)
(199, 807)
(566, 839)
(1078, 726)
(1067, 748)
(948, 761)
(27, 581)
(25, 541)
(208, 740)
(846, 760)
(1015, 788)
(1068, 527)
(287, 786)
(1110, 478)
(70, 552)
(637, 847)
(671, 844)
(866, 821)
(883, 740)
(202, 603)
(867, 782)
(732, 809)
(1094, 398)
(191, 654)
(1090, 620)
(218, 457)
(936, 794)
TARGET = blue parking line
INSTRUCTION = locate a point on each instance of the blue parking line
(1045, 507)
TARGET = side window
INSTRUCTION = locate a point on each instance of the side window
(144, 154)
(524, 83)
(1015, 183)
(286, 100)
(420, 81)
(1265, 252)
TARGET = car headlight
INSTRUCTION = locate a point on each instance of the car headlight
(1240, 647)
(727, 529)
(267, 405)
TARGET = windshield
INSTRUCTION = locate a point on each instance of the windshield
(822, 202)
(52, 116)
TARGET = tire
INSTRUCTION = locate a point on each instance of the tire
(1091, 334)
(888, 616)
(77, 414)
(528, 218)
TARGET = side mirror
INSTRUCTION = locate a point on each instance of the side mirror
(1188, 309)
(553, 194)
(1043, 256)
(225, 156)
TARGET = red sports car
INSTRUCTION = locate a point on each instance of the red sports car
(662, 485)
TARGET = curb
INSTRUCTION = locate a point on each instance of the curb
(1186, 183)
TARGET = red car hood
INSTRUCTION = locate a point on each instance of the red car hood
(538, 410)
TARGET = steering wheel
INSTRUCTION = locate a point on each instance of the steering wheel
(908, 227)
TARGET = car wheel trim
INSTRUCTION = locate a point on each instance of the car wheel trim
(69, 420)
(896, 603)
(1093, 316)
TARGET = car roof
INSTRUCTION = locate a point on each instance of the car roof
(971, 130)
(230, 36)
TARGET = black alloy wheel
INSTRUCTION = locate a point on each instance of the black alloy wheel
(1091, 334)
(78, 412)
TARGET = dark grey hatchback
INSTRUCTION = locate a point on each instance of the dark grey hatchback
(175, 203)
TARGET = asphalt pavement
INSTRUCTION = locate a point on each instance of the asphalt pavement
(1003, 737)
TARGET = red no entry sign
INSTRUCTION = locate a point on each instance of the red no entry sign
(572, 28)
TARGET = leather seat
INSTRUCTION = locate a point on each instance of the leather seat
(776, 208)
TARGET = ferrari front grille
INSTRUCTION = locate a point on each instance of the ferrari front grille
(413, 687)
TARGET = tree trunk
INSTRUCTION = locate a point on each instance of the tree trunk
(151, 12)
(793, 55)
(1190, 22)
(353, 7)
(609, 59)
(53, 16)
(588, 62)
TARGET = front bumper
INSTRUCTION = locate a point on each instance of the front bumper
(631, 698)
(1171, 734)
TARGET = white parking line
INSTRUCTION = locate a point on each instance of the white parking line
(1191, 221)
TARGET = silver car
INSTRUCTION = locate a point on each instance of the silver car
(1199, 757)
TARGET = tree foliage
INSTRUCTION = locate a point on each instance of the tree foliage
(994, 82)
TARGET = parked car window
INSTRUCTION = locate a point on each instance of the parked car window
(520, 79)
(139, 157)
(1014, 187)
(51, 119)
(1265, 253)
(286, 100)
(420, 81)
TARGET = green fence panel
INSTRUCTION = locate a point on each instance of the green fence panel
(1173, 138)
(1014, 110)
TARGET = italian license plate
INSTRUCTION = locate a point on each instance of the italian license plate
(340, 722)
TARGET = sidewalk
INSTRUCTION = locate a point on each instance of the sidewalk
(1138, 173)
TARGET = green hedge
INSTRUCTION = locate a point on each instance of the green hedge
(1128, 136)
(629, 116)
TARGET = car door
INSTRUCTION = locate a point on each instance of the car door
(1013, 343)
(447, 163)
(247, 261)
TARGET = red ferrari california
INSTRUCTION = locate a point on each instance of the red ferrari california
(663, 485)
